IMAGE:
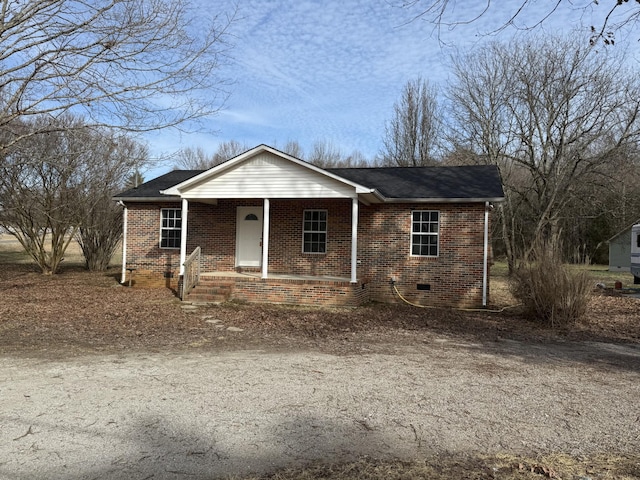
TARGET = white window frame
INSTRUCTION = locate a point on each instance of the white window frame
(325, 231)
(427, 233)
(173, 228)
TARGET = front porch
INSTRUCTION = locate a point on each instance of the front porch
(249, 286)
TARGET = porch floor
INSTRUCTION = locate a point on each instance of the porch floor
(275, 276)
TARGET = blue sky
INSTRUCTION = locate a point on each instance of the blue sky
(331, 70)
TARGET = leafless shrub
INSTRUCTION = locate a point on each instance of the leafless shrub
(549, 290)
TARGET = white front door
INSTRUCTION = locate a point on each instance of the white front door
(249, 237)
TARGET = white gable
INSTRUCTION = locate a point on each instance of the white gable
(265, 175)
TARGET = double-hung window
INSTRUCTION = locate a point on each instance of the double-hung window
(170, 227)
(314, 231)
(425, 232)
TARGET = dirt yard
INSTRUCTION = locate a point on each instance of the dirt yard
(103, 381)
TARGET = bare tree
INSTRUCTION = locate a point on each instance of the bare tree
(325, 155)
(293, 148)
(195, 158)
(617, 15)
(53, 184)
(136, 65)
(109, 158)
(552, 114)
(228, 150)
(411, 135)
(356, 160)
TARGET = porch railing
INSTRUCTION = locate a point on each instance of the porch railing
(191, 272)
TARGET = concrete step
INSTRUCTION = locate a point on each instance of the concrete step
(210, 291)
(206, 298)
(214, 281)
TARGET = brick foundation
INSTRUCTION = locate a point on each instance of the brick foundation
(319, 292)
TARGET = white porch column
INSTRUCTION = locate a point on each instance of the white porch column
(183, 234)
(265, 238)
(485, 259)
(123, 278)
(354, 239)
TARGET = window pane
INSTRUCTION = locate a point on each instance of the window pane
(314, 228)
(425, 229)
(170, 227)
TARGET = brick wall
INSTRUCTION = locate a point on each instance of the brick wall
(155, 266)
(285, 239)
(213, 228)
(300, 292)
(454, 277)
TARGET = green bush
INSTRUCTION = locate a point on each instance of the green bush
(551, 292)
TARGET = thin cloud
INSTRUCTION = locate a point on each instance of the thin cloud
(332, 70)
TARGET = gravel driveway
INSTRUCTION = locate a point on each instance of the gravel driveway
(203, 415)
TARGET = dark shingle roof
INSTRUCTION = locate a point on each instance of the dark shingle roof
(477, 182)
(152, 188)
(472, 182)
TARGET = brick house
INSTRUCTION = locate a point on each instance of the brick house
(268, 227)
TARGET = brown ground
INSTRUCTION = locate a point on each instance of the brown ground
(79, 312)
(76, 313)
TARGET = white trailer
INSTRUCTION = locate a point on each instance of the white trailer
(635, 253)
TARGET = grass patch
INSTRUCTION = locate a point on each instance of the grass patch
(601, 274)
(11, 252)
(597, 273)
(11, 256)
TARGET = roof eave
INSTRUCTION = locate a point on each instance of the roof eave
(444, 200)
(146, 199)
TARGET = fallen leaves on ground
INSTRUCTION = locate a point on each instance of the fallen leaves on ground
(480, 467)
(78, 311)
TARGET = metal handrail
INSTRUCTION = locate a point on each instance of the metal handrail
(191, 272)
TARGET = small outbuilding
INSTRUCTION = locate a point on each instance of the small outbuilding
(620, 250)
